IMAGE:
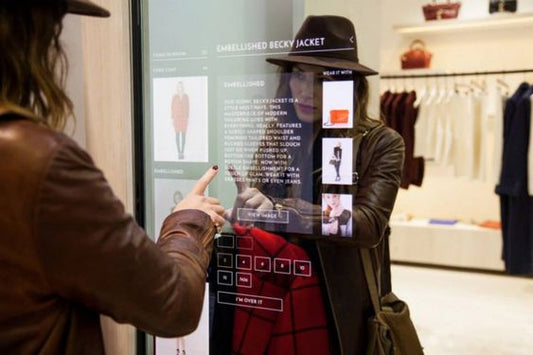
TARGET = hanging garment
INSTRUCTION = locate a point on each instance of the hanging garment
(421, 128)
(431, 128)
(477, 131)
(447, 133)
(491, 135)
(397, 112)
(513, 181)
(530, 152)
(516, 206)
(463, 132)
(400, 113)
(383, 106)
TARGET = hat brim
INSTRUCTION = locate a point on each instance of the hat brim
(323, 62)
(86, 7)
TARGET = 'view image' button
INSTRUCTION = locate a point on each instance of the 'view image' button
(250, 301)
(253, 215)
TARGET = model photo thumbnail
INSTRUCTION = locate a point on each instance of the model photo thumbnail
(337, 215)
(337, 161)
(180, 113)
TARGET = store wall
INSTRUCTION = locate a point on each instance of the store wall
(71, 40)
(463, 50)
(491, 48)
(108, 115)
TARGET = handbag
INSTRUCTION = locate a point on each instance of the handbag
(417, 56)
(502, 6)
(440, 11)
(333, 161)
(390, 329)
(338, 116)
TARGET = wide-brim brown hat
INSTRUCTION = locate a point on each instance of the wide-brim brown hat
(327, 41)
(86, 7)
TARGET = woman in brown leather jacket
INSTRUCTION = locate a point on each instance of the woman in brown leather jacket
(68, 249)
(377, 170)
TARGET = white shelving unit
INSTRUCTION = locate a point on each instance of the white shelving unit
(460, 245)
(496, 21)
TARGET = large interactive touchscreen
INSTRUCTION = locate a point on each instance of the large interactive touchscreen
(288, 150)
(282, 135)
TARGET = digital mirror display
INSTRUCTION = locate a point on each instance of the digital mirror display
(283, 139)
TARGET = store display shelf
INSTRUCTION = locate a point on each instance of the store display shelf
(495, 22)
(460, 245)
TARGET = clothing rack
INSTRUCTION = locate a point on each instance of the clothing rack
(438, 75)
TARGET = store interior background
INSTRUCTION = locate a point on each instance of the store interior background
(459, 312)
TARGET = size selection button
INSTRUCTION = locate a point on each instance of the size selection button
(244, 279)
(226, 241)
(244, 262)
(245, 243)
(224, 260)
(225, 278)
(302, 268)
(262, 264)
(282, 266)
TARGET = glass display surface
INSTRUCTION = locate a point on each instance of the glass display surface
(283, 139)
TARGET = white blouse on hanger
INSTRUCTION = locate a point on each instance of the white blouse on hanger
(530, 153)
(492, 137)
(463, 127)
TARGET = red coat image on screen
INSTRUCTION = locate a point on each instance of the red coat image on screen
(301, 328)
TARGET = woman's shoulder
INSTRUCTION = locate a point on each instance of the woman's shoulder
(377, 130)
(28, 138)
(35, 144)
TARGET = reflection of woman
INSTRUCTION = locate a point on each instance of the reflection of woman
(180, 117)
(335, 217)
(379, 168)
(337, 156)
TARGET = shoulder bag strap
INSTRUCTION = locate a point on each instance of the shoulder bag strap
(370, 278)
(364, 252)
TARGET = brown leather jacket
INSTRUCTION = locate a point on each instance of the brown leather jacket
(69, 251)
(380, 170)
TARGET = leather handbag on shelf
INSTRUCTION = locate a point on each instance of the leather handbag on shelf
(502, 6)
(390, 329)
(417, 56)
(441, 11)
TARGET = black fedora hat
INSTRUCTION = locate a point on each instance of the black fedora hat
(86, 7)
(327, 41)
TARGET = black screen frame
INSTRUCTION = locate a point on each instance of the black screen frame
(138, 134)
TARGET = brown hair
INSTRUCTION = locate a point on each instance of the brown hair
(33, 65)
